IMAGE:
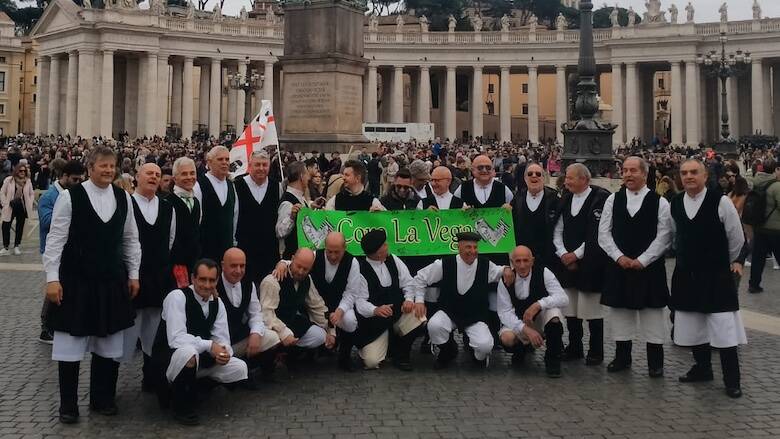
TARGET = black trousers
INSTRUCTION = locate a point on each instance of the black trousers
(764, 244)
(19, 215)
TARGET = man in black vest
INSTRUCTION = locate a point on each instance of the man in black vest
(421, 178)
(392, 320)
(708, 240)
(290, 204)
(400, 195)
(635, 232)
(92, 259)
(248, 336)
(186, 246)
(219, 205)
(258, 201)
(193, 342)
(535, 212)
(529, 307)
(463, 302)
(156, 222)
(580, 267)
(353, 194)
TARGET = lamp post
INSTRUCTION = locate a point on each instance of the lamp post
(248, 82)
(724, 66)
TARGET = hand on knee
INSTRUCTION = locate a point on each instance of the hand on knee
(508, 339)
(192, 362)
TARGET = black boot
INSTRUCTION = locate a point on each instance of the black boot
(553, 334)
(149, 381)
(69, 386)
(596, 343)
(574, 351)
(518, 352)
(447, 352)
(402, 360)
(184, 392)
(622, 359)
(655, 360)
(102, 385)
(345, 351)
(702, 370)
(729, 361)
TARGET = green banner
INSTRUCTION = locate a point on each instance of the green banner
(410, 232)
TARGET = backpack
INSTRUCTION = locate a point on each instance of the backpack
(754, 212)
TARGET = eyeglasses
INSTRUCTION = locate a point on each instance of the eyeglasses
(484, 168)
(533, 174)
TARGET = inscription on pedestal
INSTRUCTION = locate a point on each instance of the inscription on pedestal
(311, 98)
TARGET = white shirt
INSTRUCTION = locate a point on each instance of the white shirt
(104, 203)
(534, 201)
(727, 214)
(258, 191)
(576, 205)
(556, 298)
(253, 315)
(58, 186)
(634, 200)
(149, 210)
(175, 316)
(220, 188)
(434, 273)
(483, 192)
(285, 224)
(442, 201)
(405, 281)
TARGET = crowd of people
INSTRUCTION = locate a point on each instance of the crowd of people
(153, 243)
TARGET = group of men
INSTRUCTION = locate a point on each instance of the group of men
(196, 278)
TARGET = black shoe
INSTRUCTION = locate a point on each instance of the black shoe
(552, 369)
(755, 290)
(345, 358)
(251, 384)
(733, 392)
(186, 418)
(518, 359)
(69, 418)
(656, 373)
(147, 386)
(404, 365)
(109, 409)
(46, 337)
(571, 353)
(480, 364)
(696, 375)
(618, 365)
(594, 359)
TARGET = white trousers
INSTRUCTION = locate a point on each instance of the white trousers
(540, 321)
(313, 338)
(440, 326)
(267, 341)
(720, 329)
(147, 320)
(586, 306)
(651, 321)
(376, 351)
(234, 370)
(69, 348)
(348, 322)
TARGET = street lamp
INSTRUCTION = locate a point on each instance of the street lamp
(248, 82)
(724, 66)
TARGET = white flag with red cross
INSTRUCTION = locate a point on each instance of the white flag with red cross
(260, 132)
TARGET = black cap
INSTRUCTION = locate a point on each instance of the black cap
(468, 236)
(373, 240)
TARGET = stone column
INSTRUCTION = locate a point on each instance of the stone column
(241, 97)
(561, 101)
(176, 93)
(450, 131)
(203, 94)
(369, 99)
(757, 87)
(768, 92)
(504, 111)
(231, 99)
(107, 95)
(677, 104)
(533, 105)
(618, 111)
(268, 83)
(632, 103)
(732, 89)
(186, 108)
(776, 97)
(476, 103)
(151, 102)
(397, 95)
(53, 116)
(215, 96)
(162, 94)
(41, 104)
(86, 88)
(424, 96)
(72, 90)
(692, 121)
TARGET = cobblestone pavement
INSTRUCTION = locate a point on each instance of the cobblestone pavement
(321, 401)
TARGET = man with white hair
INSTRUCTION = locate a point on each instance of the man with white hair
(580, 267)
(219, 205)
(186, 245)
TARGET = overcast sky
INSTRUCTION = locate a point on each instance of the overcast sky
(706, 10)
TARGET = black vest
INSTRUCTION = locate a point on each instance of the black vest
(535, 229)
(370, 328)
(455, 202)
(347, 201)
(392, 203)
(291, 240)
(198, 324)
(292, 301)
(256, 229)
(186, 245)
(473, 306)
(332, 291)
(238, 321)
(155, 272)
(702, 280)
(536, 292)
(497, 195)
(216, 227)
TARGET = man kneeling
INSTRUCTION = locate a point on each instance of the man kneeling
(528, 306)
(193, 342)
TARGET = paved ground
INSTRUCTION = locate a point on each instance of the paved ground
(322, 402)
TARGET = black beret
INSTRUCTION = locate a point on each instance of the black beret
(373, 240)
(468, 236)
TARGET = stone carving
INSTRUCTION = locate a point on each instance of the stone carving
(399, 23)
(654, 12)
(125, 4)
(689, 13)
(190, 11)
(270, 17)
(614, 16)
(631, 17)
(476, 23)
(533, 21)
(373, 22)
(561, 22)
(87, 4)
(423, 24)
(243, 15)
(505, 23)
(451, 23)
(724, 13)
(216, 13)
(673, 12)
(756, 10)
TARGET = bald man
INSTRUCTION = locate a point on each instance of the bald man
(529, 307)
(294, 310)
(156, 222)
(216, 195)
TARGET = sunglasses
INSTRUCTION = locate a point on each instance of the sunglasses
(533, 174)
(403, 187)
(484, 168)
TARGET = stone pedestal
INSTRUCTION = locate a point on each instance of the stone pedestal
(728, 149)
(323, 65)
(593, 148)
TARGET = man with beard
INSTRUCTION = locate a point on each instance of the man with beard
(400, 196)
(353, 194)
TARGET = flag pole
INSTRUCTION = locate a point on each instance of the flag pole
(281, 166)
